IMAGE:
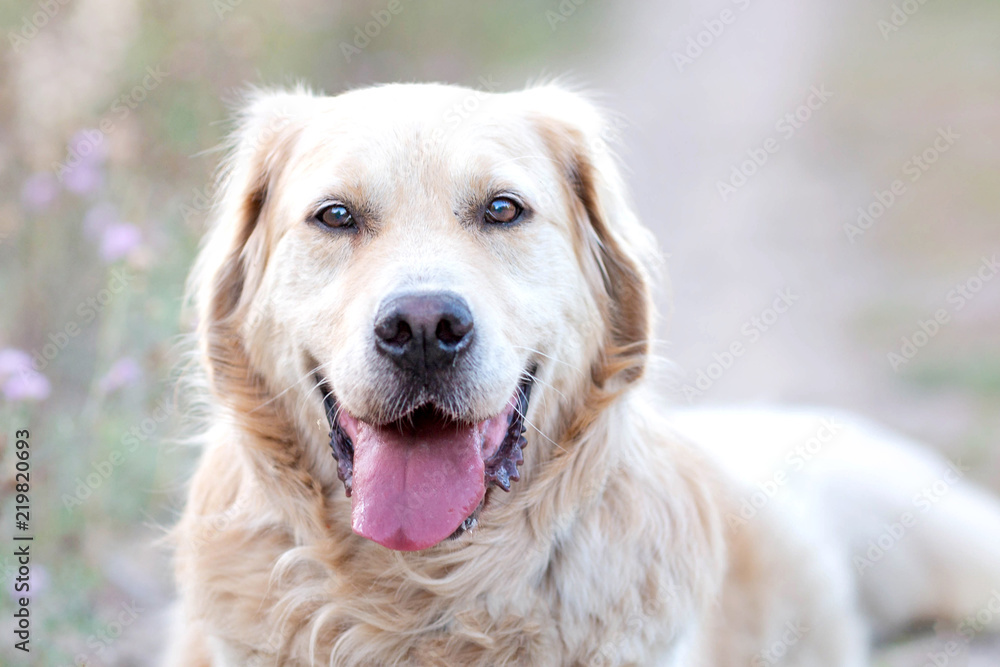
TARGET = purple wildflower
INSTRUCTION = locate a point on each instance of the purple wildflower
(39, 191)
(118, 240)
(123, 373)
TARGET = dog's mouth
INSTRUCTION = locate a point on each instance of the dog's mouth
(423, 478)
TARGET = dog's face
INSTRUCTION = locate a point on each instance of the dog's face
(418, 261)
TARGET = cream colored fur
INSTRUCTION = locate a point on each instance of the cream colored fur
(623, 543)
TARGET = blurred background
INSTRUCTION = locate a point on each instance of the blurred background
(823, 178)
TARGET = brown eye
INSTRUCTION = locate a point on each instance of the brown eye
(503, 210)
(335, 216)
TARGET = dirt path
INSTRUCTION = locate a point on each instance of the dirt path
(754, 134)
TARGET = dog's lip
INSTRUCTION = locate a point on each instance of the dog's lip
(340, 443)
(501, 465)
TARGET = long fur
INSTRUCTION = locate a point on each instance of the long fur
(614, 547)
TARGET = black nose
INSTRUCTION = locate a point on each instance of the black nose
(423, 332)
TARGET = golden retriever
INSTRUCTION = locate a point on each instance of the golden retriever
(424, 317)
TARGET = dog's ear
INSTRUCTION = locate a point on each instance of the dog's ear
(233, 257)
(620, 250)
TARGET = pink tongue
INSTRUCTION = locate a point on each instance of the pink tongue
(411, 491)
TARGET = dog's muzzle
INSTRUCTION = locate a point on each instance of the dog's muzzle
(417, 480)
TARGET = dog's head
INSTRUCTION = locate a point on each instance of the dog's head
(422, 264)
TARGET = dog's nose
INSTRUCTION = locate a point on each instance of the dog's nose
(425, 331)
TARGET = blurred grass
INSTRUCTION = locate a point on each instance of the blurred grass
(940, 68)
(154, 176)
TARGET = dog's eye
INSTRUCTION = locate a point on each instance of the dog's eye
(503, 210)
(335, 216)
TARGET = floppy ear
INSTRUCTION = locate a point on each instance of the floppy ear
(619, 248)
(233, 257)
(224, 284)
